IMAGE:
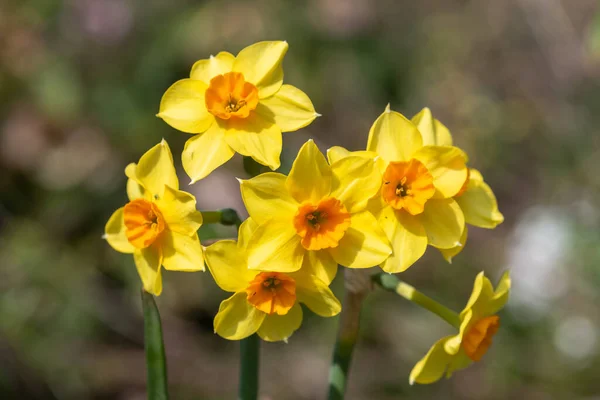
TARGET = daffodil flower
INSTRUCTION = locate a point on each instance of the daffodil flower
(478, 325)
(476, 199)
(316, 217)
(235, 104)
(419, 178)
(158, 225)
(264, 302)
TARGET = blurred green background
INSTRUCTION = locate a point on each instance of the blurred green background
(516, 82)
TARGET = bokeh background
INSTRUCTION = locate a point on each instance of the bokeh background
(516, 81)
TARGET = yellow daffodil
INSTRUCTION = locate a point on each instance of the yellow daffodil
(419, 179)
(476, 199)
(235, 104)
(264, 302)
(316, 217)
(478, 325)
(158, 225)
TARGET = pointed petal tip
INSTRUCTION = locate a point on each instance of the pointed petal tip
(387, 108)
(163, 142)
(241, 181)
(411, 382)
(318, 115)
(104, 236)
(211, 57)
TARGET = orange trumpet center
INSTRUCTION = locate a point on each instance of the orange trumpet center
(478, 339)
(407, 185)
(272, 292)
(229, 95)
(321, 225)
(143, 222)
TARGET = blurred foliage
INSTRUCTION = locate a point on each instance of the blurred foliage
(80, 82)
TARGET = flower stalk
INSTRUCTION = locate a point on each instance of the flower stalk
(250, 346)
(156, 367)
(393, 284)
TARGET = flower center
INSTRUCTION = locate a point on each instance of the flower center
(478, 339)
(143, 222)
(321, 225)
(272, 292)
(407, 185)
(229, 95)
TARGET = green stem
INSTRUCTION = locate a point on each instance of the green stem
(344, 345)
(393, 284)
(249, 366)
(156, 368)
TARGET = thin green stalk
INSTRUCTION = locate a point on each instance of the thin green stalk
(156, 367)
(393, 284)
(249, 367)
(344, 345)
(249, 347)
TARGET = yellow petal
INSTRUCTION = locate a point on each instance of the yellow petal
(228, 266)
(453, 344)
(290, 108)
(364, 245)
(355, 181)
(460, 361)
(205, 70)
(184, 108)
(433, 131)
(280, 327)
(431, 367)
(255, 137)
(444, 223)
(449, 254)
(205, 152)
(134, 188)
(245, 232)
(484, 300)
(114, 233)
(316, 295)
(147, 262)
(275, 246)
(181, 252)
(261, 65)
(320, 264)
(178, 208)
(155, 170)
(448, 167)
(336, 153)
(237, 319)
(394, 137)
(310, 176)
(407, 236)
(266, 197)
(479, 204)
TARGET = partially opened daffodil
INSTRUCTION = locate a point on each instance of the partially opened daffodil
(476, 199)
(478, 325)
(264, 302)
(316, 217)
(158, 225)
(235, 104)
(419, 178)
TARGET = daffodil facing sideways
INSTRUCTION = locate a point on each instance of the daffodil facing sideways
(316, 217)
(264, 302)
(479, 323)
(235, 104)
(415, 204)
(158, 225)
(476, 199)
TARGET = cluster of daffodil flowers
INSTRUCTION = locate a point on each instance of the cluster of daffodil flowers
(380, 207)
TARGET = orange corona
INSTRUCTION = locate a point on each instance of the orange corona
(143, 222)
(478, 339)
(272, 292)
(230, 96)
(321, 225)
(407, 185)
